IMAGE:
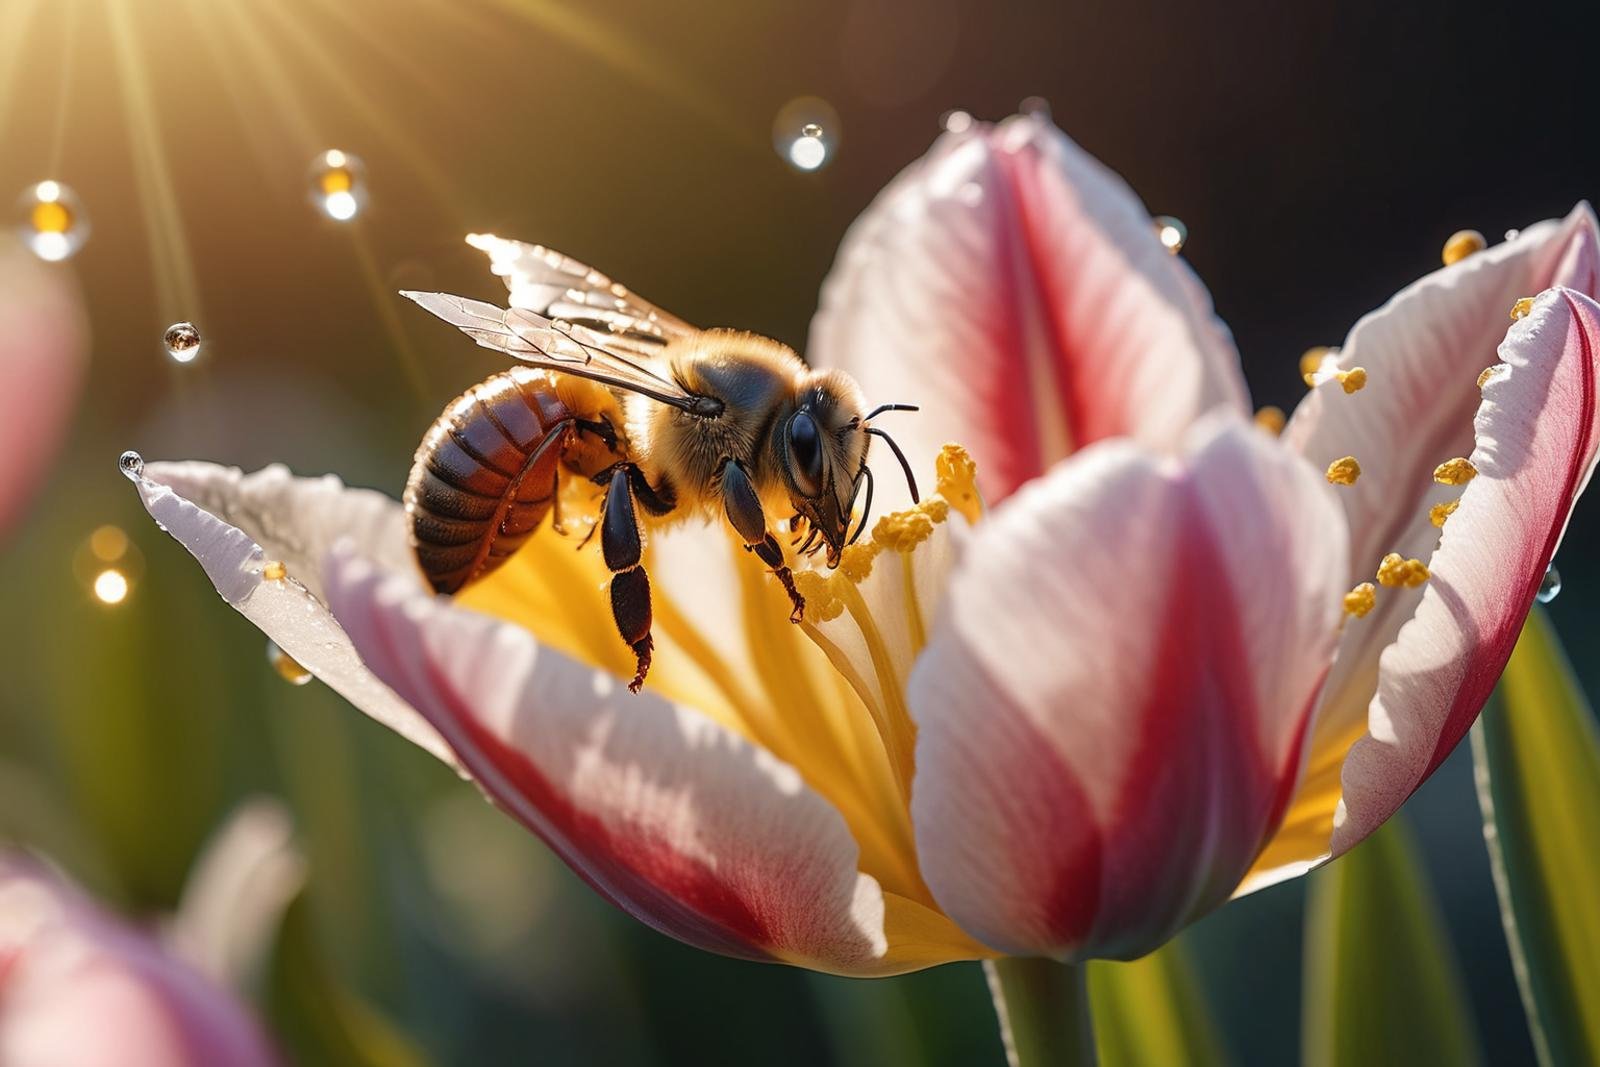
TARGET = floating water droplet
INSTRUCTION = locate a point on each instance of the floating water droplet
(182, 341)
(53, 223)
(111, 586)
(287, 666)
(808, 153)
(338, 184)
(1550, 588)
(806, 132)
(108, 543)
(1035, 105)
(131, 464)
(1171, 232)
(956, 121)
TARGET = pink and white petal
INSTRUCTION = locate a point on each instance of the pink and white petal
(1015, 288)
(1538, 432)
(80, 989)
(233, 523)
(43, 350)
(1113, 707)
(671, 816)
(1423, 352)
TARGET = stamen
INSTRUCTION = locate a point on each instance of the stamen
(1271, 419)
(1462, 244)
(1458, 471)
(1311, 363)
(821, 603)
(905, 530)
(1440, 512)
(955, 479)
(1521, 308)
(1361, 599)
(1344, 471)
(1352, 379)
(1395, 570)
(856, 560)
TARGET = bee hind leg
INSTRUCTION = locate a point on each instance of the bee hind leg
(743, 506)
(623, 550)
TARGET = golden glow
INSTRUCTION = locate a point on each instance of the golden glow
(1344, 471)
(1172, 233)
(1458, 471)
(1360, 600)
(1271, 419)
(108, 543)
(1395, 570)
(1462, 244)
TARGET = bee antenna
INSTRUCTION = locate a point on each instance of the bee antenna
(881, 408)
(911, 479)
(865, 472)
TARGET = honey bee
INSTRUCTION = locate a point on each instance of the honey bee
(669, 420)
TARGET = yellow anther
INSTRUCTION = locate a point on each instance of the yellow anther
(1440, 512)
(1311, 362)
(1361, 599)
(1352, 379)
(936, 508)
(1521, 308)
(1397, 570)
(955, 478)
(903, 531)
(856, 560)
(1344, 471)
(1462, 244)
(1271, 419)
(1456, 471)
(274, 570)
(821, 603)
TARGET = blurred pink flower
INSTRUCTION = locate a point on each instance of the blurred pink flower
(80, 989)
(43, 351)
(1068, 729)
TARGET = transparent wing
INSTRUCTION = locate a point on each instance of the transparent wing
(560, 288)
(561, 346)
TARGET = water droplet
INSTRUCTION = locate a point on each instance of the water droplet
(1171, 232)
(1550, 588)
(287, 666)
(338, 184)
(1513, 234)
(111, 586)
(808, 153)
(131, 464)
(182, 341)
(53, 223)
(956, 121)
(811, 129)
(1035, 105)
(806, 133)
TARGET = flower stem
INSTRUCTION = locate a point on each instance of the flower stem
(1044, 1012)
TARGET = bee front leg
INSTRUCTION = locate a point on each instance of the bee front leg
(630, 587)
(743, 505)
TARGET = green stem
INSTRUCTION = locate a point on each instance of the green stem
(1044, 1012)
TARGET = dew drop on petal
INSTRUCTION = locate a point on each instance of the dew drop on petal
(956, 121)
(1513, 234)
(287, 666)
(52, 221)
(182, 341)
(1550, 587)
(805, 133)
(131, 464)
(1171, 232)
(338, 184)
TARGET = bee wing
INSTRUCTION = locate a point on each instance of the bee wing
(548, 283)
(570, 349)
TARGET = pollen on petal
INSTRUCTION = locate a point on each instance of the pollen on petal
(1462, 244)
(856, 560)
(1311, 363)
(821, 603)
(1440, 512)
(274, 570)
(1344, 471)
(1396, 570)
(1490, 374)
(1458, 471)
(1271, 419)
(955, 478)
(1361, 599)
(1352, 379)
(1521, 308)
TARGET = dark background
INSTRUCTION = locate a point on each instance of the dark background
(1319, 154)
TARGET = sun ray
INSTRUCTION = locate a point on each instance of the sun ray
(14, 21)
(388, 305)
(69, 49)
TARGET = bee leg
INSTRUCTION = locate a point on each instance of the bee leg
(630, 587)
(743, 505)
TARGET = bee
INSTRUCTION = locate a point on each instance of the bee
(670, 421)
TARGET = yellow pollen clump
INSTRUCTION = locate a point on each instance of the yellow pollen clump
(821, 604)
(1352, 379)
(1462, 244)
(1271, 419)
(274, 570)
(904, 530)
(1344, 471)
(1440, 512)
(1361, 599)
(1456, 471)
(1488, 372)
(1311, 362)
(856, 560)
(1396, 570)
(955, 479)
(1521, 308)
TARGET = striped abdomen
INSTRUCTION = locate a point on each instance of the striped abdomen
(485, 475)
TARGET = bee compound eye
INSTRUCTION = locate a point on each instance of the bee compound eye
(805, 454)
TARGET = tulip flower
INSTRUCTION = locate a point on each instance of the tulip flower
(1178, 656)
(80, 989)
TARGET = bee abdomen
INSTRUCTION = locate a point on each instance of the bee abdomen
(485, 476)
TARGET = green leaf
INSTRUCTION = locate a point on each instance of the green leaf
(1151, 1011)
(1381, 983)
(1537, 754)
